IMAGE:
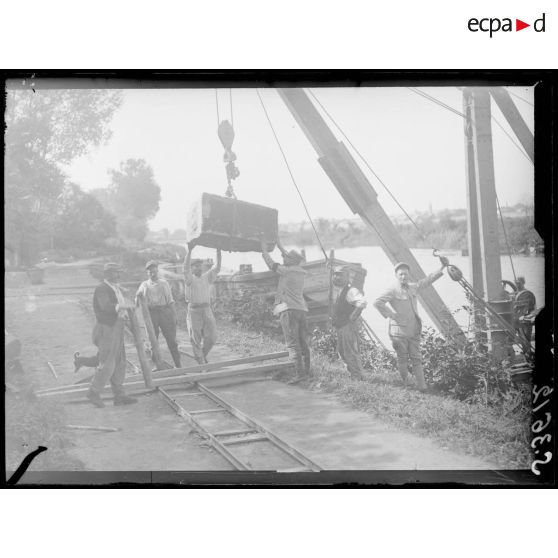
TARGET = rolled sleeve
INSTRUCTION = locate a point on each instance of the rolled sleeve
(428, 280)
(356, 298)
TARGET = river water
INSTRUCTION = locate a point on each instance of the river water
(380, 276)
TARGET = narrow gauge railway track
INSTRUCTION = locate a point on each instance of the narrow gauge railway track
(242, 441)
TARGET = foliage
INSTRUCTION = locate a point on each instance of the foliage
(133, 196)
(374, 357)
(44, 129)
(254, 312)
(468, 373)
(81, 221)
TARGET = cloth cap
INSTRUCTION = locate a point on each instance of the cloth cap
(341, 269)
(197, 261)
(294, 255)
(400, 265)
(111, 266)
(520, 280)
(151, 263)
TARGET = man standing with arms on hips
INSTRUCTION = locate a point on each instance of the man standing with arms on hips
(405, 325)
(202, 327)
(291, 307)
(110, 309)
(347, 309)
(158, 296)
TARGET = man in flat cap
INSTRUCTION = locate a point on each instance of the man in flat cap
(347, 309)
(202, 327)
(158, 296)
(405, 324)
(291, 307)
(110, 309)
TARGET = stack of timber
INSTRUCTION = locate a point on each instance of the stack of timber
(240, 288)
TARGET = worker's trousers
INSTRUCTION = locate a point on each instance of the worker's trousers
(202, 329)
(112, 357)
(348, 349)
(164, 320)
(295, 330)
(407, 350)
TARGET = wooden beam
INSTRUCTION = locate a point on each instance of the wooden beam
(187, 370)
(360, 196)
(138, 342)
(155, 350)
(473, 236)
(189, 378)
(515, 120)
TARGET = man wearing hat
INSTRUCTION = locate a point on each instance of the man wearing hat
(110, 308)
(291, 307)
(405, 324)
(158, 296)
(347, 309)
(202, 327)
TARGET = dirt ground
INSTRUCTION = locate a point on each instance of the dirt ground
(52, 325)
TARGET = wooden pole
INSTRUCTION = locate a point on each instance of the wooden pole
(157, 358)
(138, 342)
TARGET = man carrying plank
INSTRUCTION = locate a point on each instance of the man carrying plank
(110, 308)
(202, 327)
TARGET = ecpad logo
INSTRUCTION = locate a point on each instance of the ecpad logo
(494, 24)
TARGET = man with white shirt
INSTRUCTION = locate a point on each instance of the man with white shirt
(200, 320)
(347, 309)
(110, 309)
(158, 296)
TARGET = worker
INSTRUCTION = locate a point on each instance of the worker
(202, 327)
(157, 293)
(347, 309)
(291, 307)
(524, 302)
(110, 309)
(405, 324)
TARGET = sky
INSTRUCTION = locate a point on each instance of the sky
(415, 146)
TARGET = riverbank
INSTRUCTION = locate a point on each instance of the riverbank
(498, 435)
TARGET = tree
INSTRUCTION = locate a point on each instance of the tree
(82, 221)
(134, 197)
(46, 128)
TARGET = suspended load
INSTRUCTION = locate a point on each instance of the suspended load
(231, 224)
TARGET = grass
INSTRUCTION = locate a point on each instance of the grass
(498, 435)
(33, 422)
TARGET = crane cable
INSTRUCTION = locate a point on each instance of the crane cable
(292, 177)
(367, 164)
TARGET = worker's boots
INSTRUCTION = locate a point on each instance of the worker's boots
(95, 398)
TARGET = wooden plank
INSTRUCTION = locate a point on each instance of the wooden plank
(233, 432)
(190, 378)
(95, 428)
(207, 411)
(217, 365)
(245, 440)
(155, 350)
(138, 342)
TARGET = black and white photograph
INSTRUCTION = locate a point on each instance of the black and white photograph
(276, 281)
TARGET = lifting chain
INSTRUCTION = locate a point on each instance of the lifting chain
(225, 132)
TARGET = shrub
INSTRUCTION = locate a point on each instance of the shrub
(253, 312)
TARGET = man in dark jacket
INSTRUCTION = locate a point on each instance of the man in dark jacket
(348, 307)
(110, 308)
